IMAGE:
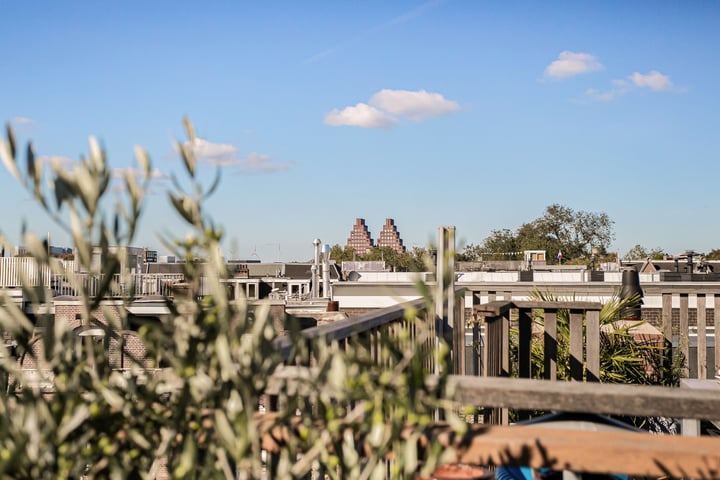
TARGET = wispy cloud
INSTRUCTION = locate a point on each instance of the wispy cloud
(399, 20)
(56, 159)
(655, 81)
(21, 120)
(256, 163)
(225, 155)
(155, 173)
(570, 64)
(387, 107)
(360, 115)
(620, 87)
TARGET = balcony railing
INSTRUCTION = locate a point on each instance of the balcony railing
(621, 452)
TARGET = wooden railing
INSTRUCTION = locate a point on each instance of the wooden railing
(622, 452)
(584, 337)
(546, 446)
(705, 298)
(366, 330)
(584, 341)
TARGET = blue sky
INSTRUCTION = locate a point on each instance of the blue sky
(473, 114)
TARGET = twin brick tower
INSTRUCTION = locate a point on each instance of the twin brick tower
(361, 241)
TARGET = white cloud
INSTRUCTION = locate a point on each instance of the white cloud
(224, 155)
(21, 120)
(260, 163)
(209, 152)
(361, 115)
(387, 107)
(655, 81)
(570, 64)
(415, 105)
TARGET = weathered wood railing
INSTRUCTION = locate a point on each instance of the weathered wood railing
(584, 324)
(584, 330)
(633, 453)
(704, 298)
(604, 452)
(366, 330)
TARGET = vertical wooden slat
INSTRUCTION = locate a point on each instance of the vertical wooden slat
(716, 336)
(491, 346)
(576, 345)
(505, 346)
(667, 317)
(701, 337)
(524, 351)
(592, 345)
(505, 342)
(524, 343)
(476, 346)
(550, 340)
(485, 354)
(459, 339)
(684, 332)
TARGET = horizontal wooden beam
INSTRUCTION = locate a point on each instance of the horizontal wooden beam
(545, 395)
(494, 308)
(557, 305)
(602, 398)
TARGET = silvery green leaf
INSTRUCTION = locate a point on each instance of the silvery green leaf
(11, 139)
(188, 155)
(82, 412)
(8, 159)
(97, 157)
(30, 159)
(189, 129)
(143, 160)
(225, 431)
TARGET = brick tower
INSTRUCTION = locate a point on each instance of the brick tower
(389, 237)
(360, 240)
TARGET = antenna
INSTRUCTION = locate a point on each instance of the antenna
(278, 250)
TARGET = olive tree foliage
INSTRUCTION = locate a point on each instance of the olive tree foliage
(196, 412)
(574, 233)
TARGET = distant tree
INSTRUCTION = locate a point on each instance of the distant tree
(560, 229)
(638, 252)
(471, 253)
(420, 259)
(501, 245)
(342, 254)
(574, 233)
(714, 254)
